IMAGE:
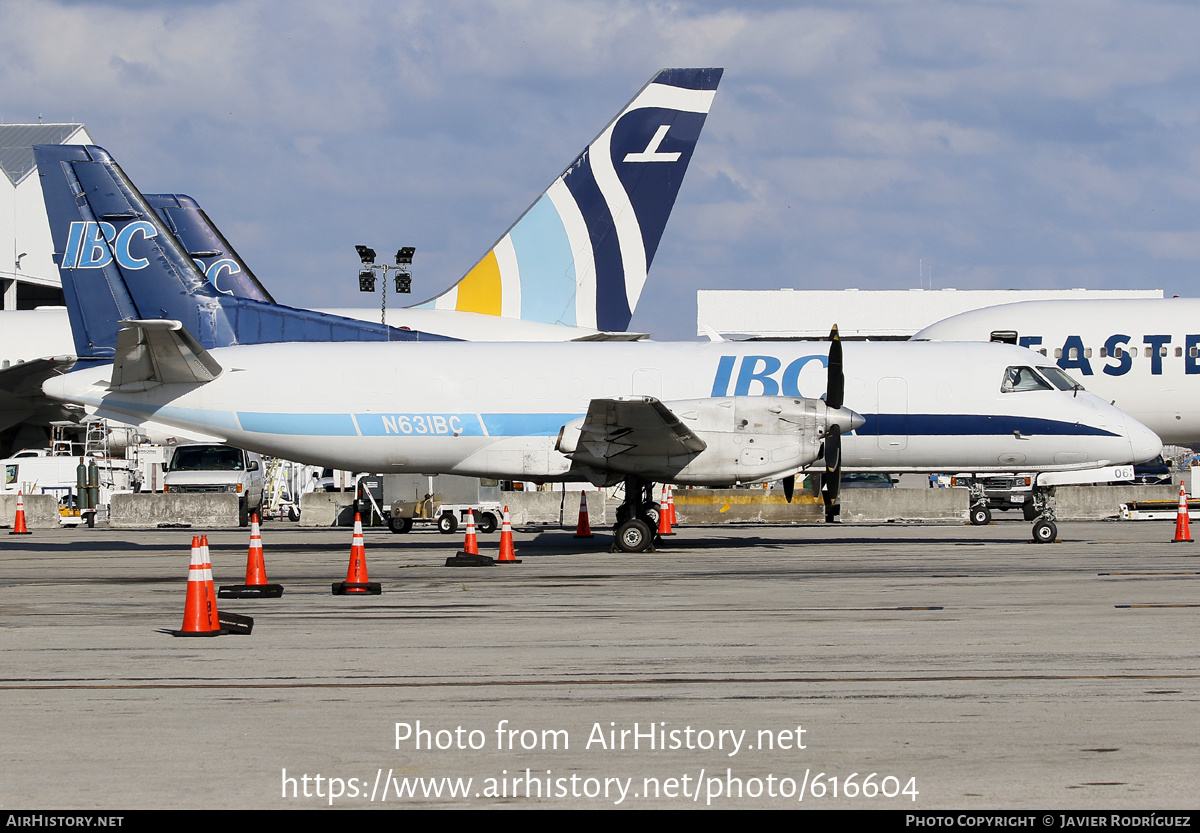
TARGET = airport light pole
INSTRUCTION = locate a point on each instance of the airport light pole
(403, 277)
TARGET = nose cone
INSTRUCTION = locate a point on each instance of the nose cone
(845, 419)
(1144, 443)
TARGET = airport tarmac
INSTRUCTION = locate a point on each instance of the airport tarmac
(925, 666)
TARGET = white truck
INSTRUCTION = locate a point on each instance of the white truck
(208, 468)
(37, 471)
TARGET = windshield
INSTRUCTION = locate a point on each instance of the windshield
(207, 458)
(1017, 379)
(1060, 378)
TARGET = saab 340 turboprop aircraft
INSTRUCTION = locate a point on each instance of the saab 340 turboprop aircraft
(639, 412)
(1140, 354)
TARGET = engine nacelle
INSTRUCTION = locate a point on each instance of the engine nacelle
(742, 439)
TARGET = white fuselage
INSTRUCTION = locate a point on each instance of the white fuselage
(34, 334)
(40, 333)
(1143, 355)
(496, 410)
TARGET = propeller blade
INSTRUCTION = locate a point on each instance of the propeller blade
(835, 392)
(832, 482)
(789, 487)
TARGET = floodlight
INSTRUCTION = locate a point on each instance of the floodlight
(366, 254)
(366, 281)
(405, 255)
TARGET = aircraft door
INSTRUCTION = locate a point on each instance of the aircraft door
(892, 410)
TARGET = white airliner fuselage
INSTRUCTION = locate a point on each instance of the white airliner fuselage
(1142, 354)
(422, 407)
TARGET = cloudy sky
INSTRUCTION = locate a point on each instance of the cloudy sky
(1000, 144)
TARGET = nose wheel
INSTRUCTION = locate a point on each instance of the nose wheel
(1045, 532)
(980, 515)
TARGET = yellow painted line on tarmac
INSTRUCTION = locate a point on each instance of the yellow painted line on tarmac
(750, 499)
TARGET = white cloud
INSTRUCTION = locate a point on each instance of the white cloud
(1006, 143)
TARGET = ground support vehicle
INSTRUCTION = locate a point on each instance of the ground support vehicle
(79, 497)
(443, 500)
(999, 493)
(208, 468)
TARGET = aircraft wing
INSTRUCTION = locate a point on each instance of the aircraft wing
(605, 335)
(25, 379)
(635, 426)
(158, 352)
(21, 396)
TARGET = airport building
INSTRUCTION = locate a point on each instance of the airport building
(28, 276)
(877, 315)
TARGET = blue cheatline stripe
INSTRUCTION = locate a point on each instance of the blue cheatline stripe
(526, 425)
(547, 265)
(419, 425)
(964, 425)
(316, 425)
(212, 419)
(398, 425)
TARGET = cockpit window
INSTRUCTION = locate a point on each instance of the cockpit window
(1017, 379)
(1060, 378)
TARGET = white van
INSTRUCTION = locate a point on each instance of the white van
(207, 468)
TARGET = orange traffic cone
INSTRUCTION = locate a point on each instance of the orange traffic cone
(19, 527)
(357, 580)
(583, 529)
(671, 503)
(1182, 525)
(200, 609)
(508, 553)
(471, 544)
(664, 515)
(469, 555)
(256, 586)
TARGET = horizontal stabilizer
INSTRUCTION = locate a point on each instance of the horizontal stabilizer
(157, 352)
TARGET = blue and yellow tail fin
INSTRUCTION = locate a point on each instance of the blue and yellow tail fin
(580, 254)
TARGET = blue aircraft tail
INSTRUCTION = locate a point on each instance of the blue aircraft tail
(205, 244)
(119, 261)
(579, 255)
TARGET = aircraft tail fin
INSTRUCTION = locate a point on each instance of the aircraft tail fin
(579, 255)
(118, 261)
(205, 244)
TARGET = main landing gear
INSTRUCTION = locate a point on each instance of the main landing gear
(637, 516)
